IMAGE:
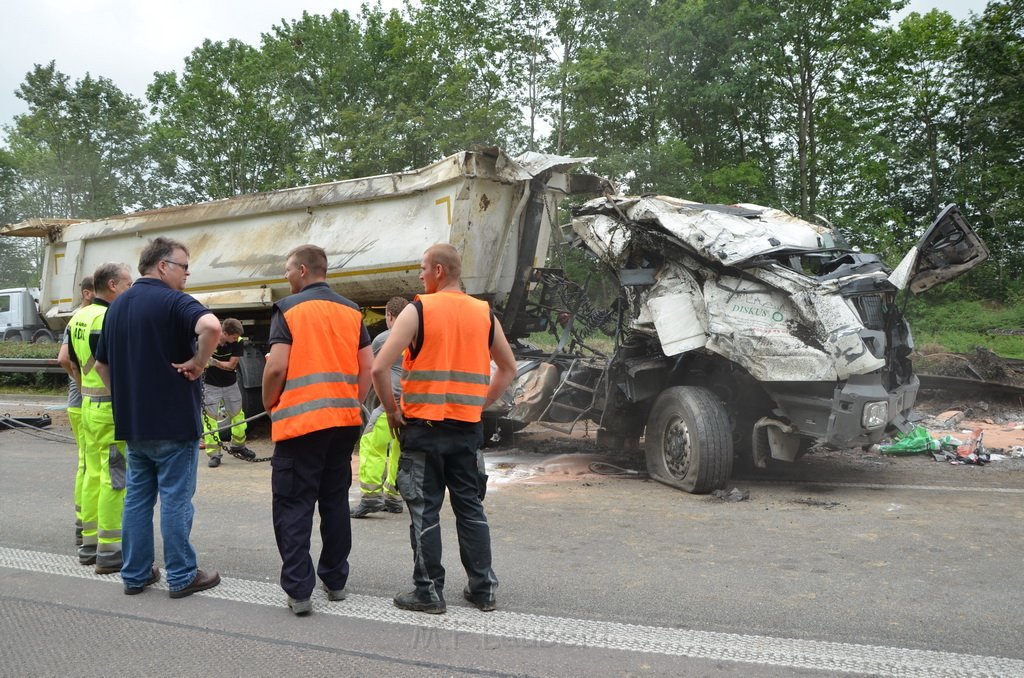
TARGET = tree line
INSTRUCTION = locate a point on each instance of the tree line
(822, 107)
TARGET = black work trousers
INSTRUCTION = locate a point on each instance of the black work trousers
(437, 456)
(313, 469)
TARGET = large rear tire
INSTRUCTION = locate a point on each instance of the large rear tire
(250, 379)
(688, 440)
(43, 337)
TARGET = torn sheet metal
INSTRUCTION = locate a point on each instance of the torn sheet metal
(770, 292)
(757, 327)
(675, 309)
(533, 164)
(731, 237)
(949, 248)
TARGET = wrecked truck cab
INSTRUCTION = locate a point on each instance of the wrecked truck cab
(753, 320)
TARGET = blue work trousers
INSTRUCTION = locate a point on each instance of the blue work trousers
(313, 470)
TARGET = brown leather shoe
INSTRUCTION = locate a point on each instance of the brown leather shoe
(154, 577)
(202, 582)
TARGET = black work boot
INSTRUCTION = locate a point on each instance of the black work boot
(368, 506)
(410, 601)
(242, 452)
(108, 562)
(87, 554)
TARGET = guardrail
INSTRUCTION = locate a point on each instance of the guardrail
(30, 365)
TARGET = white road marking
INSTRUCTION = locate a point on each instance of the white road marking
(764, 650)
(890, 486)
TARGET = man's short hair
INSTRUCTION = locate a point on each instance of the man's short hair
(87, 284)
(231, 326)
(161, 248)
(110, 271)
(448, 257)
(395, 306)
(312, 257)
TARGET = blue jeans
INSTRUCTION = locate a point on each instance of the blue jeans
(167, 467)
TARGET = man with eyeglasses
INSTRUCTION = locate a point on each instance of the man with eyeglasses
(153, 348)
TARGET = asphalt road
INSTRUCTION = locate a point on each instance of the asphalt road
(843, 564)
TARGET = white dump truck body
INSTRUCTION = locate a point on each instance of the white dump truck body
(373, 229)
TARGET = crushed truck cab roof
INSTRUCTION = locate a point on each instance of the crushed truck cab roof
(784, 298)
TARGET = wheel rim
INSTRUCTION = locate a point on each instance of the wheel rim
(676, 447)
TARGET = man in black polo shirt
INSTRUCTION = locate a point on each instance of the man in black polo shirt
(222, 399)
(150, 357)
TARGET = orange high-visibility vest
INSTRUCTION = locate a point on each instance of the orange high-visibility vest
(448, 378)
(321, 387)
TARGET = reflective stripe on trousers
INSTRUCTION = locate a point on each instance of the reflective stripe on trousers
(103, 487)
(378, 461)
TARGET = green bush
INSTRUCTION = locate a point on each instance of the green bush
(10, 349)
(960, 326)
(33, 382)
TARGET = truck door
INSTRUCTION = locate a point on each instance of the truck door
(8, 309)
(948, 249)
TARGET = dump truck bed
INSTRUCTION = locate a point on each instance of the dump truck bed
(373, 229)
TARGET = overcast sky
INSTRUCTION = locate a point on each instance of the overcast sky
(128, 41)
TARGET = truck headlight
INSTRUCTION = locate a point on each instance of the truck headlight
(875, 414)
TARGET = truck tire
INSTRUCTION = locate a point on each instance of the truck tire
(43, 337)
(688, 442)
(252, 401)
(250, 379)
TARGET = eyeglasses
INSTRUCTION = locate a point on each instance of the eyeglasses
(184, 267)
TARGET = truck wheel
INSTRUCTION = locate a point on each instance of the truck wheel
(250, 379)
(42, 337)
(252, 401)
(688, 441)
(14, 338)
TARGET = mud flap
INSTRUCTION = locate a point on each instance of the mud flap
(774, 439)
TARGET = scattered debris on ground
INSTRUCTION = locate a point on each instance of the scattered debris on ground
(981, 365)
(735, 494)
(819, 503)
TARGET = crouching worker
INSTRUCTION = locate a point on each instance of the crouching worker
(222, 399)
